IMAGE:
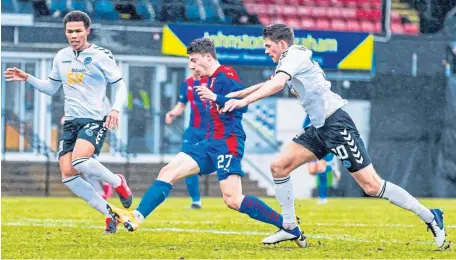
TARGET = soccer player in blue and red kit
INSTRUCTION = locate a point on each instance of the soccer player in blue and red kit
(196, 131)
(221, 151)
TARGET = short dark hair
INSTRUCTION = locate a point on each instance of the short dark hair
(203, 46)
(278, 32)
(77, 16)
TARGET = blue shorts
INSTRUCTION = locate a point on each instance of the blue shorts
(221, 155)
(192, 136)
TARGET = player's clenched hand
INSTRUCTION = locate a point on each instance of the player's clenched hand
(112, 120)
(15, 74)
(206, 93)
(169, 118)
(232, 104)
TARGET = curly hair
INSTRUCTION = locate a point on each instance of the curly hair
(77, 16)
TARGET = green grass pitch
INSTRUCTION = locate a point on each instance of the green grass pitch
(343, 228)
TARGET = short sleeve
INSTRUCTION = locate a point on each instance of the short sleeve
(183, 93)
(294, 60)
(109, 67)
(55, 74)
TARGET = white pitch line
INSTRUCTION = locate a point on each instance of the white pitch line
(207, 231)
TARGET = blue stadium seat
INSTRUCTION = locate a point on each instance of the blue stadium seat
(157, 4)
(7, 6)
(192, 13)
(142, 10)
(58, 5)
(25, 7)
(79, 5)
(105, 9)
(211, 14)
(207, 3)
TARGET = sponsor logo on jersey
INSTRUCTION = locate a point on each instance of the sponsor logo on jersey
(66, 61)
(78, 70)
(87, 60)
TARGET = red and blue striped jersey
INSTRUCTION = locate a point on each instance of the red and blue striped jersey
(228, 125)
(198, 118)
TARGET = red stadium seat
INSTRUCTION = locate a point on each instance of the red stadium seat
(250, 8)
(411, 28)
(278, 9)
(290, 11)
(367, 26)
(323, 2)
(375, 15)
(337, 3)
(348, 12)
(338, 25)
(294, 3)
(264, 19)
(397, 28)
(362, 14)
(395, 17)
(304, 11)
(323, 24)
(293, 23)
(334, 12)
(308, 23)
(351, 3)
(378, 27)
(319, 12)
(353, 26)
(279, 19)
(278, 2)
(307, 2)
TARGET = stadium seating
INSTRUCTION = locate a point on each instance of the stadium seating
(336, 15)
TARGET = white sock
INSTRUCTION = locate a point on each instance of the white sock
(96, 183)
(284, 194)
(92, 167)
(139, 217)
(83, 190)
(400, 197)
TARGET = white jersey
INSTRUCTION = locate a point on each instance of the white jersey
(84, 75)
(308, 83)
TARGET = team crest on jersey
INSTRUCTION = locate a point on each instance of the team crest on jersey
(89, 132)
(87, 60)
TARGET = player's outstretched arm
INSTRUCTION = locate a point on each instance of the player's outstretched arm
(121, 97)
(245, 92)
(269, 88)
(48, 87)
(175, 112)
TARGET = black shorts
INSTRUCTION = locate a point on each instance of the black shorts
(82, 128)
(338, 136)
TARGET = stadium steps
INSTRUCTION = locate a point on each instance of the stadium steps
(28, 179)
(404, 10)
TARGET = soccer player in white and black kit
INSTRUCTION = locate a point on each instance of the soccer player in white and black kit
(332, 131)
(84, 70)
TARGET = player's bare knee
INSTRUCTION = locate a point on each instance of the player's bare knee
(166, 174)
(231, 201)
(67, 171)
(279, 169)
(371, 188)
